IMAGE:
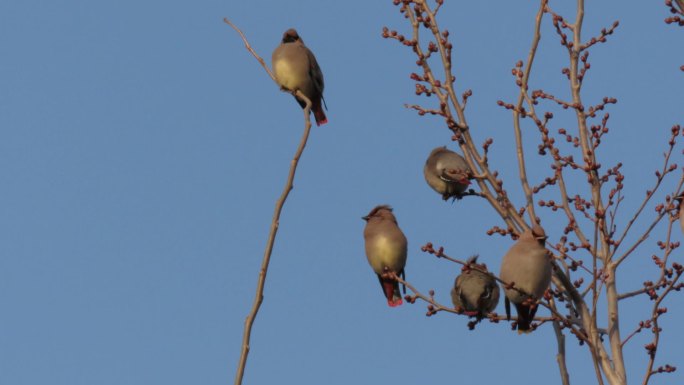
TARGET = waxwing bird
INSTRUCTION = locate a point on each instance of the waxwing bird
(475, 291)
(385, 249)
(527, 265)
(447, 173)
(296, 69)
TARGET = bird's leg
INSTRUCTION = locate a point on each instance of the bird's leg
(470, 192)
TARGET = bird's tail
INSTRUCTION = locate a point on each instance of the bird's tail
(317, 109)
(525, 316)
(391, 289)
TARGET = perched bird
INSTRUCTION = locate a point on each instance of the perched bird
(474, 291)
(527, 266)
(447, 173)
(296, 69)
(385, 249)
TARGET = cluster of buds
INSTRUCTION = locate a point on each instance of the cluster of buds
(499, 230)
(591, 112)
(553, 205)
(548, 181)
(677, 11)
(601, 38)
(665, 369)
(428, 248)
(569, 138)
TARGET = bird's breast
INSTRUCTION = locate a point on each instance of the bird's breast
(384, 252)
(287, 75)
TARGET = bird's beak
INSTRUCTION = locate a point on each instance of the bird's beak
(365, 218)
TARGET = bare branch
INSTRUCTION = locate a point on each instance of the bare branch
(560, 355)
(524, 78)
(259, 296)
(249, 48)
(660, 175)
(657, 310)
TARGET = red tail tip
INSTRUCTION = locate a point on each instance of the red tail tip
(395, 303)
(321, 119)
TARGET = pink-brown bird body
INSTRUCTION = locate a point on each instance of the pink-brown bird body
(527, 265)
(447, 173)
(475, 291)
(296, 69)
(386, 249)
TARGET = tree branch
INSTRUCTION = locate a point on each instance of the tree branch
(517, 111)
(259, 296)
(560, 355)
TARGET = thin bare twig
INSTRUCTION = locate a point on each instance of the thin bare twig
(664, 171)
(636, 292)
(560, 355)
(657, 311)
(249, 47)
(516, 112)
(435, 307)
(259, 296)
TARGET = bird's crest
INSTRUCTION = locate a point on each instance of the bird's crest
(375, 210)
(291, 35)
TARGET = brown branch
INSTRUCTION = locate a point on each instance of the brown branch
(636, 292)
(596, 348)
(657, 311)
(649, 194)
(434, 307)
(554, 152)
(642, 325)
(259, 296)
(249, 47)
(613, 369)
(516, 112)
(560, 355)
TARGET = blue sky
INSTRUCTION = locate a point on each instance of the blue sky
(143, 149)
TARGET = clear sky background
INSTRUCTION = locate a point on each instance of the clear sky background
(142, 149)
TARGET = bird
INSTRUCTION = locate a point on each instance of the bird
(447, 173)
(475, 291)
(295, 69)
(527, 267)
(386, 247)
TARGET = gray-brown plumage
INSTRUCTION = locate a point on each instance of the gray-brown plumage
(296, 69)
(474, 291)
(385, 249)
(527, 265)
(447, 173)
